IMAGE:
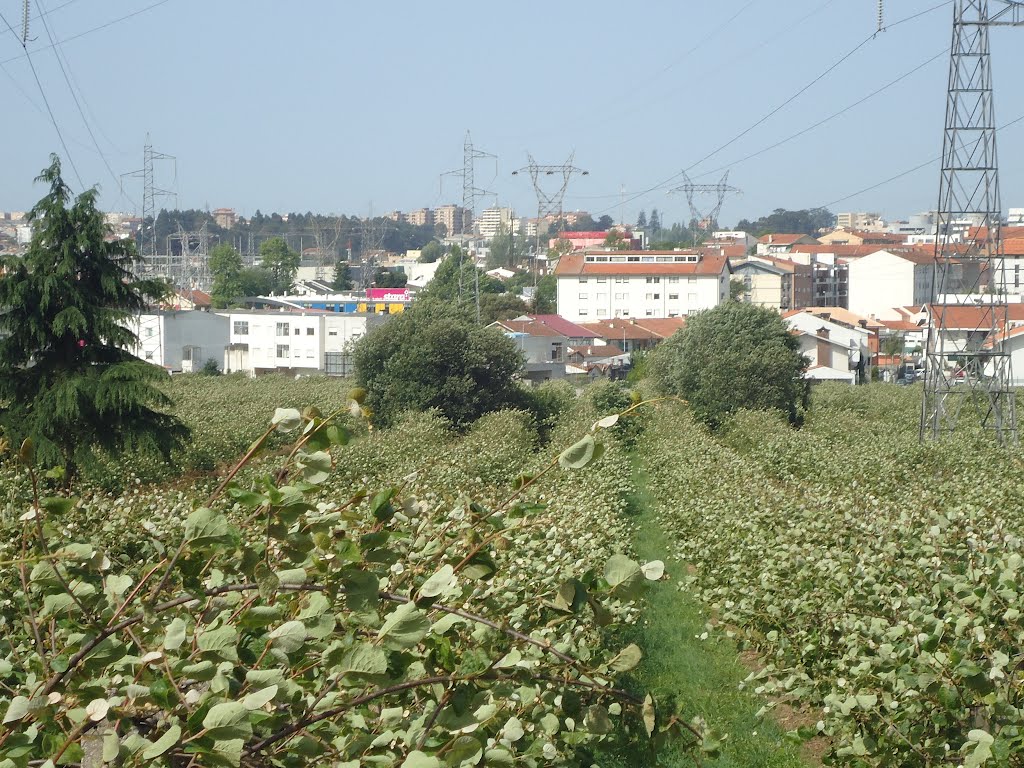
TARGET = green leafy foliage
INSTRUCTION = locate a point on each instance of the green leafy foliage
(66, 381)
(280, 261)
(387, 601)
(878, 578)
(435, 356)
(731, 357)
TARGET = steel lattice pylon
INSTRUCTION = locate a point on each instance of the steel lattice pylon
(967, 368)
(700, 222)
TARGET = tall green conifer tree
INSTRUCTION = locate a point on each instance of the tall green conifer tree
(67, 380)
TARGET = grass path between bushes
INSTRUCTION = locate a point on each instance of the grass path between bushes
(703, 674)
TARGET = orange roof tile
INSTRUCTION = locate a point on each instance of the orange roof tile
(576, 264)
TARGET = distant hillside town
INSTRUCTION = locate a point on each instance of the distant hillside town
(580, 296)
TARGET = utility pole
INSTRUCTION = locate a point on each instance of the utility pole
(969, 279)
(549, 201)
(700, 222)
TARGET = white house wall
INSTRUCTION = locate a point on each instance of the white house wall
(879, 282)
(590, 298)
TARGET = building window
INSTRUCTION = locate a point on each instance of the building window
(602, 279)
(649, 313)
(673, 279)
(149, 332)
(241, 327)
(649, 296)
(583, 297)
(332, 333)
(336, 364)
(310, 331)
(583, 313)
(602, 297)
(149, 355)
(583, 279)
(282, 350)
(653, 279)
(673, 297)
(297, 330)
(282, 329)
(657, 296)
(602, 313)
(622, 297)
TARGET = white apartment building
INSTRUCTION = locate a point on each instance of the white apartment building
(180, 342)
(882, 280)
(597, 284)
(263, 341)
(495, 220)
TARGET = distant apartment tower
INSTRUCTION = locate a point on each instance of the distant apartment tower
(226, 218)
(495, 220)
(421, 217)
(455, 218)
(867, 222)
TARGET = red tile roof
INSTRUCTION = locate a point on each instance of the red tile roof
(636, 329)
(562, 326)
(839, 315)
(979, 317)
(596, 350)
(576, 264)
(529, 327)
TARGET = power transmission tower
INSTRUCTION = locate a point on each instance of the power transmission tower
(150, 192)
(972, 374)
(467, 173)
(549, 201)
(191, 271)
(701, 223)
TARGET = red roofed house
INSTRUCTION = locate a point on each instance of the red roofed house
(632, 334)
(545, 341)
(782, 243)
(583, 240)
(594, 285)
(855, 237)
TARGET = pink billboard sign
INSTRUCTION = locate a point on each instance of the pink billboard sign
(388, 294)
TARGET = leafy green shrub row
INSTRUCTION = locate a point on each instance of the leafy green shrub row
(879, 579)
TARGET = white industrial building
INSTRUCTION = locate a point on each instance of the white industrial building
(600, 284)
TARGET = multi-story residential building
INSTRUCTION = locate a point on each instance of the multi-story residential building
(180, 342)
(311, 341)
(774, 282)
(868, 222)
(455, 218)
(225, 217)
(857, 237)
(496, 220)
(420, 217)
(592, 285)
(884, 279)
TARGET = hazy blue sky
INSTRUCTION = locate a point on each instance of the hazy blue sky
(332, 106)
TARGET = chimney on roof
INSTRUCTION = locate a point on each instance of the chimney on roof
(632, 321)
(771, 239)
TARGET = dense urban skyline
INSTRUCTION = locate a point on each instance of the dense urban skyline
(337, 109)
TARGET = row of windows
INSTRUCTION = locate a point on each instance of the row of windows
(241, 328)
(625, 280)
(620, 313)
(692, 297)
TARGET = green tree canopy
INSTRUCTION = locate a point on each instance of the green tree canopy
(545, 297)
(431, 252)
(734, 356)
(447, 285)
(434, 355)
(225, 265)
(342, 276)
(501, 306)
(67, 381)
(806, 222)
(390, 278)
(255, 281)
(281, 261)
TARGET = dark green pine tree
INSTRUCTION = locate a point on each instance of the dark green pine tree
(67, 380)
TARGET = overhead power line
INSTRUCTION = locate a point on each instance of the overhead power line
(60, 61)
(105, 25)
(46, 101)
(671, 179)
